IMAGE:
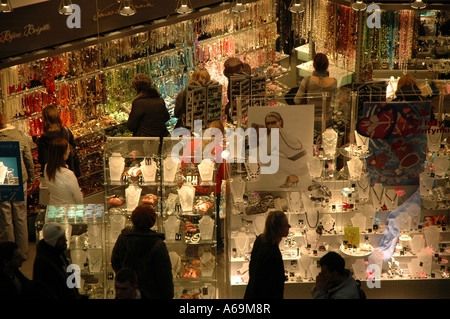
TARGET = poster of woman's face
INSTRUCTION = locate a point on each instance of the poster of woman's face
(293, 147)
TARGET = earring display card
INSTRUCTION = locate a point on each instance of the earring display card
(351, 235)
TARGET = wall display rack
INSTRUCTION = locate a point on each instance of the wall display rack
(92, 84)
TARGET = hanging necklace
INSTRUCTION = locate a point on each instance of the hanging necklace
(378, 197)
(239, 240)
(391, 199)
(363, 186)
(317, 220)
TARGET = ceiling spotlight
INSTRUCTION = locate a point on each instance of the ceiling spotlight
(297, 6)
(5, 6)
(184, 7)
(65, 7)
(239, 6)
(418, 4)
(126, 8)
(359, 5)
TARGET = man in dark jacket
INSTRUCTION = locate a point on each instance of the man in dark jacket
(50, 265)
(148, 114)
(13, 214)
(13, 284)
(144, 251)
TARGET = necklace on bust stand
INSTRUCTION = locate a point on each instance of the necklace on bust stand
(378, 190)
(170, 169)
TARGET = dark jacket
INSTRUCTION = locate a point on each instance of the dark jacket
(10, 133)
(266, 272)
(49, 269)
(44, 143)
(7, 288)
(148, 116)
(147, 254)
(180, 109)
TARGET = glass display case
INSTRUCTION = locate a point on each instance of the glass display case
(384, 231)
(84, 225)
(182, 191)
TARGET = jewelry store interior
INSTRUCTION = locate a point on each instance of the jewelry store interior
(361, 170)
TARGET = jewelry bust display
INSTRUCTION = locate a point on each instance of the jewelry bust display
(237, 187)
(315, 167)
(116, 167)
(206, 227)
(206, 170)
(186, 195)
(355, 168)
(148, 169)
(170, 169)
(171, 227)
(132, 197)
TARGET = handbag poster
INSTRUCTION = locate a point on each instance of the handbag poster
(295, 144)
(398, 139)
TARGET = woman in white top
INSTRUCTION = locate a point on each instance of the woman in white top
(62, 182)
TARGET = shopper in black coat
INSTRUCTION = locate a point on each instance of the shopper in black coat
(266, 264)
(50, 265)
(148, 114)
(13, 284)
(53, 129)
(144, 251)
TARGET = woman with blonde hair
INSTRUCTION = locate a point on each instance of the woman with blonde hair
(199, 77)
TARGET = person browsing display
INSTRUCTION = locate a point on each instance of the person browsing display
(62, 182)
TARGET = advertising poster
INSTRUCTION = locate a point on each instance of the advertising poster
(11, 184)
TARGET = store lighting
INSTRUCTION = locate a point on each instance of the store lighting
(5, 6)
(184, 7)
(297, 6)
(65, 7)
(359, 5)
(239, 6)
(126, 8)
(418, 4)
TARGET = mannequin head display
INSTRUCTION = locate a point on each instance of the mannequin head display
(51, 118)
(276, 227)
(58, 152)
(143, 217)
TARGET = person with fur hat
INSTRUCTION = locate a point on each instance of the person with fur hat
(143, 250)
(50, 265)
